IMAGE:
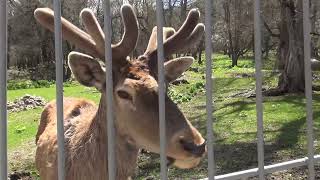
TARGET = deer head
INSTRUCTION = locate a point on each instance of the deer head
(135, 80)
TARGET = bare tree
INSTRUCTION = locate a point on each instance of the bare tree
(238, 19)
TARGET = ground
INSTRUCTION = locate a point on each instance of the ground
(234, 121)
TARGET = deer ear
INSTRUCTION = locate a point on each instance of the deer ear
(86, 70)
(175, 67)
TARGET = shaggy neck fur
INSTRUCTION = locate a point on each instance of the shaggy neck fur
(126, 153)
(94, 149)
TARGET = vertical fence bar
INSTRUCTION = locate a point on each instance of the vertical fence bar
(308, 86)
(162, 124)
(259, 106)
(59, 88)
(209, 108)
(3, 91)
(109, 88)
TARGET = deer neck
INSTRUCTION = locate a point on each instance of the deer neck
(126, 152)
(100, 119)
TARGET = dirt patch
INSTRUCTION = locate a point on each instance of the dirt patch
(241, 75)
(21, 161)
(248, 93)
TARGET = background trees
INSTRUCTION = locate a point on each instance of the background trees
(31, 46)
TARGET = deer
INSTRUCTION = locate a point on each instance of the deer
(135, 91)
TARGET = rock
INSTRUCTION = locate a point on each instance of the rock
(20, 176)
(25, 103)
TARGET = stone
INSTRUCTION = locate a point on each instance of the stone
(25, 102)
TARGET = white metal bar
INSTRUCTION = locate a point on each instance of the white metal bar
(59, 88)
(162, 123)
(209, 108)
(109, 91)
(259, 105)
(3, 91)
(267, 169)
(308, 86)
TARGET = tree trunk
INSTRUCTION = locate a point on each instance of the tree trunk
(314, 4)
(170, 13)
(199, 57)
(183, 10)
(234, 58)
(291, 47)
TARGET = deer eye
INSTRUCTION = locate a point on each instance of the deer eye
(124, 95)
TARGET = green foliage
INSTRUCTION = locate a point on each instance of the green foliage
(28, 84)
(50, 93)
(188, 94)
(14, 84)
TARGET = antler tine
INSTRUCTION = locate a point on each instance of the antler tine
(93, 28)
(194, 38)
(180, 39)
(152, 45)
(130, 36)
(174, 42)
(70, 32)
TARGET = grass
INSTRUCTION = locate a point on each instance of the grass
(22, 126)
(234, 119)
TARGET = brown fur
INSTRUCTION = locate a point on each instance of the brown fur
(86, 147)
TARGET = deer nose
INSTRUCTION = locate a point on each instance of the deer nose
(197, 150)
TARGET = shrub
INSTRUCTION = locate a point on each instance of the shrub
(186, 96)
(28, 84)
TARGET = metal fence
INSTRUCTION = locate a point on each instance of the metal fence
(260, 171)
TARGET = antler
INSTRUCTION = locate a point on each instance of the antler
(189, 33)
(152, 45)
(70, 32)
(93, 43)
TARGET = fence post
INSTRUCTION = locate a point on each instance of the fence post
(161, 82)
(308, 86)
(209, 108)
(59, 88)
(259, 105)
(3, 90)
(109, 93)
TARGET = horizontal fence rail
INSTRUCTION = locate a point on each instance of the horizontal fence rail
(260, 171)
(267, 169)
